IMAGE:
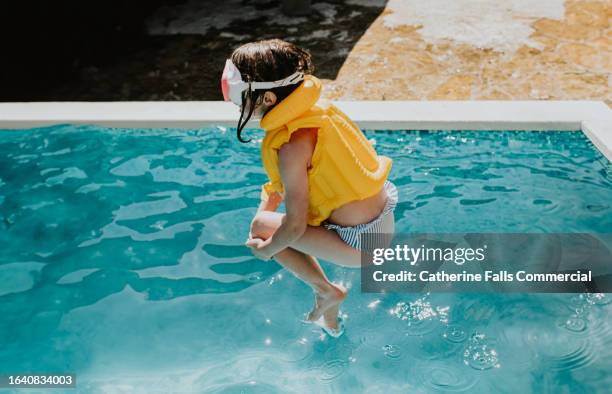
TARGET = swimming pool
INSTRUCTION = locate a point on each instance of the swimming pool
(123, 262)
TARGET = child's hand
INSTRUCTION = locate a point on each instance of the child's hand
(258, 248)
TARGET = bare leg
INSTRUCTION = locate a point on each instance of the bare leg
(328, 296)
(316, 240)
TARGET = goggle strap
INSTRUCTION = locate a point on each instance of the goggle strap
(290, 80)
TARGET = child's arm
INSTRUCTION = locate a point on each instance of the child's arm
(271, 203)
(293, 159)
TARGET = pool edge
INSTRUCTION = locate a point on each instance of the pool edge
(594, 118)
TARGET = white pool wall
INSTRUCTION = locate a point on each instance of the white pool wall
(594, 118)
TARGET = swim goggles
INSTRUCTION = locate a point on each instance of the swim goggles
(233, 86)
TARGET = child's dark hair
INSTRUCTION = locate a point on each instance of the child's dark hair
(266, 61)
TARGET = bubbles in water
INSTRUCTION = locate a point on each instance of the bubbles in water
(414, 311)
(254, 278)
(419, 315)
(575, 323)
(392, 351)
(159, 225)
(579, 303)
(582, 305)
(275, 279)
(373, 304)
(583, 302)
(599, 298)
(455, 334)
(442, 312)
(479, 354)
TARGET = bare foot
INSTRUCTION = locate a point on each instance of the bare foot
(330, 317)
(327, 305)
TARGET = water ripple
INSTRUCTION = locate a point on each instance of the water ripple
(89, 214)
(445, 377)
(566, 358)
(392, 352)
(332, 370)
(455, 334)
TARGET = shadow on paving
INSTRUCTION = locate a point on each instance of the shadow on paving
(102, 50)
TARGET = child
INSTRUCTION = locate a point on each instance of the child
(318, 161)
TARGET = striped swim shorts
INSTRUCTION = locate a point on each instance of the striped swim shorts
(352, 235)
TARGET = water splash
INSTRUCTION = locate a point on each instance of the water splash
(582, 305)
(598, 298)
(420, 315)
(479, 353)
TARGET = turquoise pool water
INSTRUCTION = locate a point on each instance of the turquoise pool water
(122, 261)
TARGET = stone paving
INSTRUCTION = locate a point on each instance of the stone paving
(571, 58)
(363, 50)
(431, 50)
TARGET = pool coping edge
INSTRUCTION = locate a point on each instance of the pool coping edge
(594, 118)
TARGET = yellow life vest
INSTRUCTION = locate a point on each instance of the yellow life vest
(344, 166)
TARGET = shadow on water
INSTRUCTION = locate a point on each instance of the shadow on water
(103, 50)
